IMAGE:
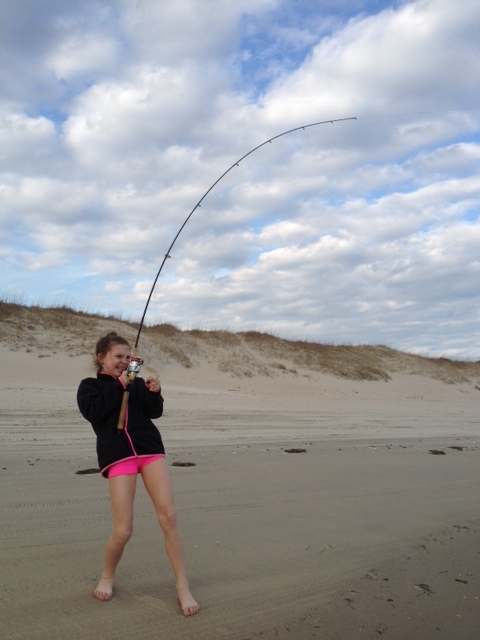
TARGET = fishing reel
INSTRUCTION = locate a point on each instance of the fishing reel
(133, 368)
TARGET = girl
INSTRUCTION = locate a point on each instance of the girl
(129, 449)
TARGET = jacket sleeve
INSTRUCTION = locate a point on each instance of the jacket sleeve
(97, 402)
(152, 402)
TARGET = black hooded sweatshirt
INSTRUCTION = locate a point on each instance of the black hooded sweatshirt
(99, 401)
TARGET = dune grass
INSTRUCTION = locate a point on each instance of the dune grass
(60, 328)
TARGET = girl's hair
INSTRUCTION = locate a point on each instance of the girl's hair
(105, 344)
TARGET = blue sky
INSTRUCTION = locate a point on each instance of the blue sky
(115, 118)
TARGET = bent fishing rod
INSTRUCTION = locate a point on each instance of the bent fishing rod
(136, 363)
(199, 203)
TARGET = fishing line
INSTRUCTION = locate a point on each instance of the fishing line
(235, 164)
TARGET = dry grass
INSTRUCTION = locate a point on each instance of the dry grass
(246, 354)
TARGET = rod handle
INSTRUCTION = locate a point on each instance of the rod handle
(123, 411)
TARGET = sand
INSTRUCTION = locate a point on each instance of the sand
(364, 534)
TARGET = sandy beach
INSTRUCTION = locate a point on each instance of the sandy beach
(368, 528)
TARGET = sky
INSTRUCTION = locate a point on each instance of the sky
(116, 118)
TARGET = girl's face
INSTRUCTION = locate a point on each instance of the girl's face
(116, 360)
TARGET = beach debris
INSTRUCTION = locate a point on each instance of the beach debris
(371, 575)
(457, 448)
(425, 588)
(295, 451)
(381, 628)
(437, 452)
(183, 464)
(84, 472)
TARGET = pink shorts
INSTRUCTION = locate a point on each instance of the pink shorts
(132, 465)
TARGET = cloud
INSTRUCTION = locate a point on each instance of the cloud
(82, 54)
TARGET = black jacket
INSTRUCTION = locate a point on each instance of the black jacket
(99, 401)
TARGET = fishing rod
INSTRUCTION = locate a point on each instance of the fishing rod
(199, 203)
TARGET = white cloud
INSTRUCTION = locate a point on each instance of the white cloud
(26, 142)
(81, 54)
(42, 261)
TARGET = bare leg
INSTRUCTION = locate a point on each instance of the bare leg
(122, 494)
(157, 483)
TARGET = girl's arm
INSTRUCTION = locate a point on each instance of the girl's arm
(96, 402)
(153, 401)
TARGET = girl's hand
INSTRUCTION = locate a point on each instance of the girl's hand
(124, 378)
(153, 384)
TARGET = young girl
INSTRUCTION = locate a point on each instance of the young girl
(126, 450)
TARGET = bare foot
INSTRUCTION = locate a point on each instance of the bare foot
(104, 590)
(187, 602)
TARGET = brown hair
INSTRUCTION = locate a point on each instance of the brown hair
(105, 344)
